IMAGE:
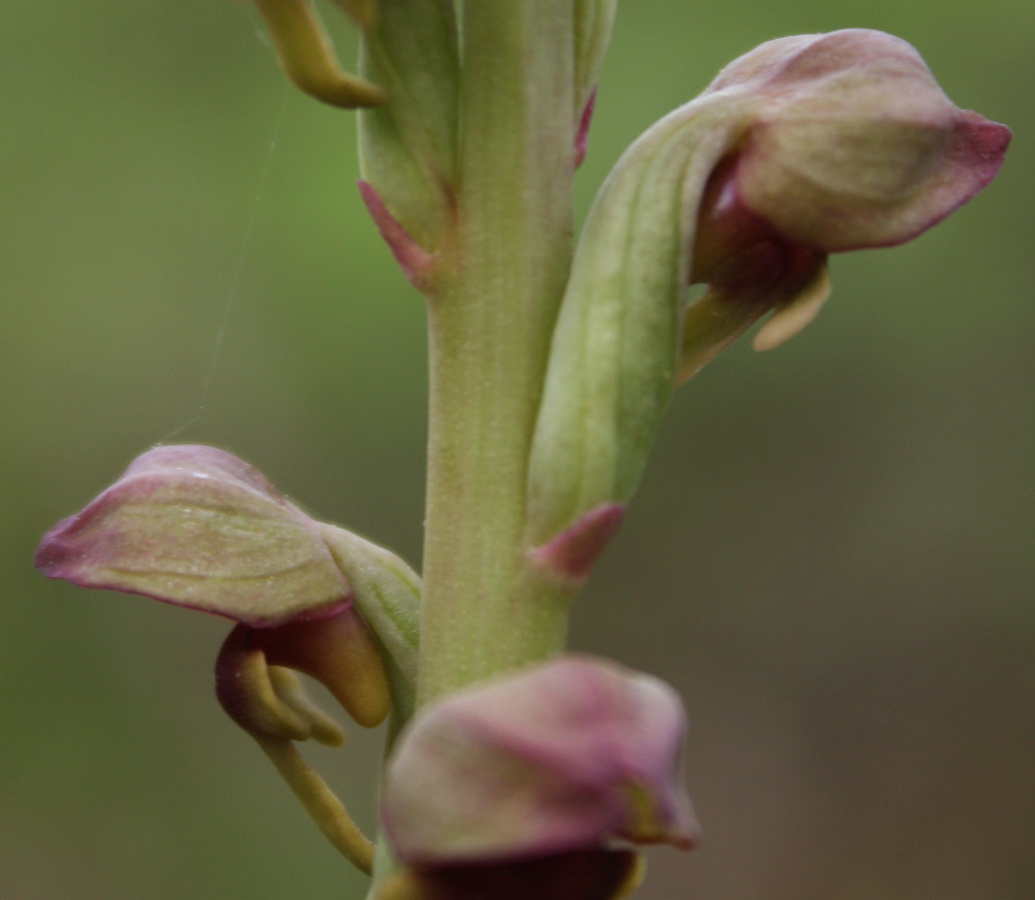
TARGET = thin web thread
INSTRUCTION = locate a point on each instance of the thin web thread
(233, 294)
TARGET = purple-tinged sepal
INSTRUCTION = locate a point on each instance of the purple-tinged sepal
(853, 143)
(565, 757)
(198, 527)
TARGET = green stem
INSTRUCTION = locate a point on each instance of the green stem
(500, 281)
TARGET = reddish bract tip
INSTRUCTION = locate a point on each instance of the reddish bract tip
(413, 259)
(582, 135)
(570, 555)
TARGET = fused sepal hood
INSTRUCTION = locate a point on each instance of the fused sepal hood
(576, 875)
(200, 528)
(853, 143)
(569, 755)
(197, 527)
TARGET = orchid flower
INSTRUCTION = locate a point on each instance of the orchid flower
(197, 527)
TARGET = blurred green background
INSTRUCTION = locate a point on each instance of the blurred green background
(831, 557)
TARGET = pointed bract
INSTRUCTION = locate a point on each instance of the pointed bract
(415, 262)
(568, 558)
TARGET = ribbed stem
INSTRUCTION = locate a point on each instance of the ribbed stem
(490, 321)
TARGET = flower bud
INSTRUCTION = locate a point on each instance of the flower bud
(563, 757)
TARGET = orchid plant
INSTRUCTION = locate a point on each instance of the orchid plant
(514, 768)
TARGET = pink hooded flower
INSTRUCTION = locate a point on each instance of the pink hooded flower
(197, 527)
(554, 762)
(851, 144)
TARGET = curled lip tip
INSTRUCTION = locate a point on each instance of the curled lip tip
(307, 56)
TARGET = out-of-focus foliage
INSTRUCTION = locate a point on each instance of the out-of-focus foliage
(831, 556)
